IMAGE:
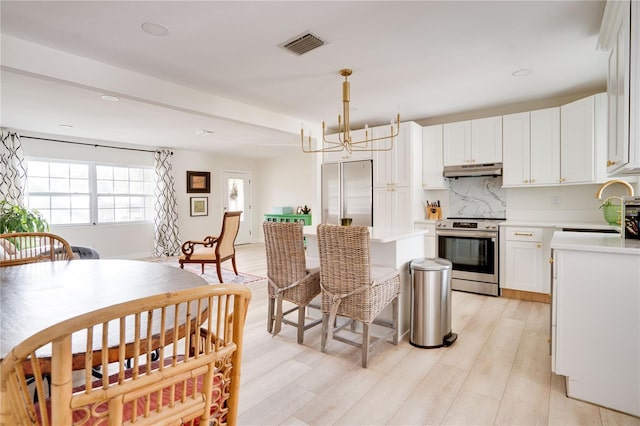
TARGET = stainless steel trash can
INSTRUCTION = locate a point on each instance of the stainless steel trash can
(431, 303)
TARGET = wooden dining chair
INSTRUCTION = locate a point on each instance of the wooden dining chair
(215, 249)
(355, 289)
(199, 333)
(18, 248)
(290, 277)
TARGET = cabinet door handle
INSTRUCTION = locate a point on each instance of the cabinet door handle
(538, 245)
(562, 179)
(610, 163)
(533, 180)
(525, 181)
(524, 234)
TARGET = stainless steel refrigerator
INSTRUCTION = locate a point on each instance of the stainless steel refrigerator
(347, 191)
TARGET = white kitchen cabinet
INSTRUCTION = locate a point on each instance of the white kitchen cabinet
(620, 35)
(525, 252)
(595, 319)
(397, 177)
(531, 147)
(524, 260)
(486, 140)
(583, 133)
(475, 141)
(457, 143)
(395, 167)
(336, 157)
(392, 207)
(516, 168)
(432, 139)
(545, 146)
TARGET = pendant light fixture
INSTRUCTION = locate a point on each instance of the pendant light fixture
(344, 140)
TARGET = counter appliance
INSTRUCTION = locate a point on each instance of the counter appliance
(631, 217)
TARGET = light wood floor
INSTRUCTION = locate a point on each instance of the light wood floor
(497, 372)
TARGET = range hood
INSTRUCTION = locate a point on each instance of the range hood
(487, 169)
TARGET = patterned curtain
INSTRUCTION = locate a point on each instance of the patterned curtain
(12, 168)
(166, 240)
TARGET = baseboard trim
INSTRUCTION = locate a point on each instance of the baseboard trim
(525, 295)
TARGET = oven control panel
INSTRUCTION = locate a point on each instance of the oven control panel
(471, 225)
(465, 225)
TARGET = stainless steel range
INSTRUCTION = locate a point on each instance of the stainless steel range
(471, 244)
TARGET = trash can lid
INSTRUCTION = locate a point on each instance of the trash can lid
(433, 264)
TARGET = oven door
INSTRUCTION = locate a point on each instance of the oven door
(474, 254)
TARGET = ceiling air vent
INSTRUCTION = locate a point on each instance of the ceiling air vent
(303, 43)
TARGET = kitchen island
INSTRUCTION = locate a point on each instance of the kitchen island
(595, 323)
(389, 247)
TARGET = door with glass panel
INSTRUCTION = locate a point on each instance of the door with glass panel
(236, 195)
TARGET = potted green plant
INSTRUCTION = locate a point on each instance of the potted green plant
(612, 211)
(14, 218)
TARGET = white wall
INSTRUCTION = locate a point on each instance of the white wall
(575, 203)
(290, 181)
(287, 181)
(198, 227)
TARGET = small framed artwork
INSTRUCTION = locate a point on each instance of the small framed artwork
(199, 206)
(198, 182)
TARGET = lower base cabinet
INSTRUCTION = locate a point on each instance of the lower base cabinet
(524, 262)
(595, 327)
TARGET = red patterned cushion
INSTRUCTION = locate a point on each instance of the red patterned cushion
(97, 414)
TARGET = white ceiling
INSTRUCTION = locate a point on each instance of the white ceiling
(423, 59)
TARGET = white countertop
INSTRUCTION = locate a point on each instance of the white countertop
(426, 221)
(561, 224)
(564, 224)
(594, 242)
(379, 235)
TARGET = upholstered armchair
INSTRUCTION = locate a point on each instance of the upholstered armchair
(215, 249)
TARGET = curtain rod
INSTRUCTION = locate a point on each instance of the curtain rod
(96, 145)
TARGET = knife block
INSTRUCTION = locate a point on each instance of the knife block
(433, 213)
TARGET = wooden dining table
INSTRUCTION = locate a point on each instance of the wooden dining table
(38, 295)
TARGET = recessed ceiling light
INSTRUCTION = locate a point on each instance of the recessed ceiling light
(155, 29)
(522, 72)
(110, 98)
(203, 132)
(66, 126)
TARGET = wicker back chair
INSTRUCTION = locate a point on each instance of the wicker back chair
(353, 288)
(290, 277)
(199, 335)
(223, 246)
(18, 248)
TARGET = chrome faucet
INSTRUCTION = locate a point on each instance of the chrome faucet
(611, 182)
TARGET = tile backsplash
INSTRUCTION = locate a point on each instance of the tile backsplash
(481, 196)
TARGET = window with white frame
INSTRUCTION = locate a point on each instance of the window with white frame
(85, 193)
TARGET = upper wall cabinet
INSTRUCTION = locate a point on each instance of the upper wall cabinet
(475, 141)
(396, 167)
(619, 34)
(531, 148)
(432, 177)
(583, 135)
(336, 157)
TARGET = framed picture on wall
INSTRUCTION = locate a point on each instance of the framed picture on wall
(199, 206)
(198, 182)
